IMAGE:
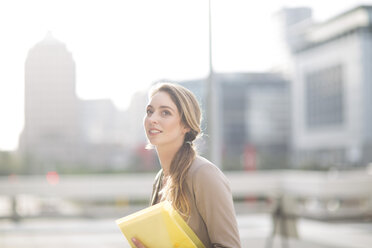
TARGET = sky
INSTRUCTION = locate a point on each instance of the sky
(122, 46)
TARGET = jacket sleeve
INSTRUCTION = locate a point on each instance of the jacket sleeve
(215, 204)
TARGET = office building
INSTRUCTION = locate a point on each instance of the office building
(253, 111)
(332, 89)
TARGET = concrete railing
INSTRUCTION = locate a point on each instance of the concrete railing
(305, 192)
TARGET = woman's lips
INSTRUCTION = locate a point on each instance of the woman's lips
(154, 131)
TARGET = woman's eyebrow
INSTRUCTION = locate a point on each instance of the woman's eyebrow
(167, 107)
(161, 107)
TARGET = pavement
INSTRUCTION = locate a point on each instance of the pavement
(103, 233)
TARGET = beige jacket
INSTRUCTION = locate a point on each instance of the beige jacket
(212, 215)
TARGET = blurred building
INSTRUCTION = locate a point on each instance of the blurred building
(255, 119)
(51, 128)
(332, 88)
(103, 134)
(135, 132)
(141, 159)
(101, 122)
(61, 130)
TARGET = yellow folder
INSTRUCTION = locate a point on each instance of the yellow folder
(159, 226)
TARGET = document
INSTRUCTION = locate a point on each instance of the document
(159, 226)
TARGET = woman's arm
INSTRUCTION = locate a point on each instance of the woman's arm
(215, 205)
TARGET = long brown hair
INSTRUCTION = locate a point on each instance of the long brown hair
(175, 188)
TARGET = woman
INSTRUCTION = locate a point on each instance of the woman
(195, 187)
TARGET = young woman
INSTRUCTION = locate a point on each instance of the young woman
(195, 187)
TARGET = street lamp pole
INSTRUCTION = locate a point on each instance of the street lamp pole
(212, 103)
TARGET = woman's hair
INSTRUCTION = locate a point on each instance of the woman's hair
(188, 108)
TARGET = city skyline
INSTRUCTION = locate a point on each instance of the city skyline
(130, 46)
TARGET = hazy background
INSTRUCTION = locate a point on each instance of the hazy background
(120, 47)
(294, 109)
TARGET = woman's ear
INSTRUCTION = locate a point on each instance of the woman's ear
(186, 130)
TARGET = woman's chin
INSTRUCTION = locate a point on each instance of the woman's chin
(153, 142)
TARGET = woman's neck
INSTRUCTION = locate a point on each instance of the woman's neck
(166, 155)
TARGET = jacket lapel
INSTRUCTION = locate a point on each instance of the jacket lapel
(156, 187)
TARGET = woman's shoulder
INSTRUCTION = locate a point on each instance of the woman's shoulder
(202, 167)
(204, 177)
(198, 163)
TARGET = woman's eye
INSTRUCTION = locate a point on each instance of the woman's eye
(165, 113)
(148, 111)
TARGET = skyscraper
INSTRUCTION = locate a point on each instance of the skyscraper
(51, 127)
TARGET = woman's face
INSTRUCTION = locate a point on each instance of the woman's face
(162, 122)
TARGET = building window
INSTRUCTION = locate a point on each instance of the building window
(324, 97)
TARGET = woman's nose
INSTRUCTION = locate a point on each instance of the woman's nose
(153, 118)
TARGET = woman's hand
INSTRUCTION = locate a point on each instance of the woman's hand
(138, 243)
